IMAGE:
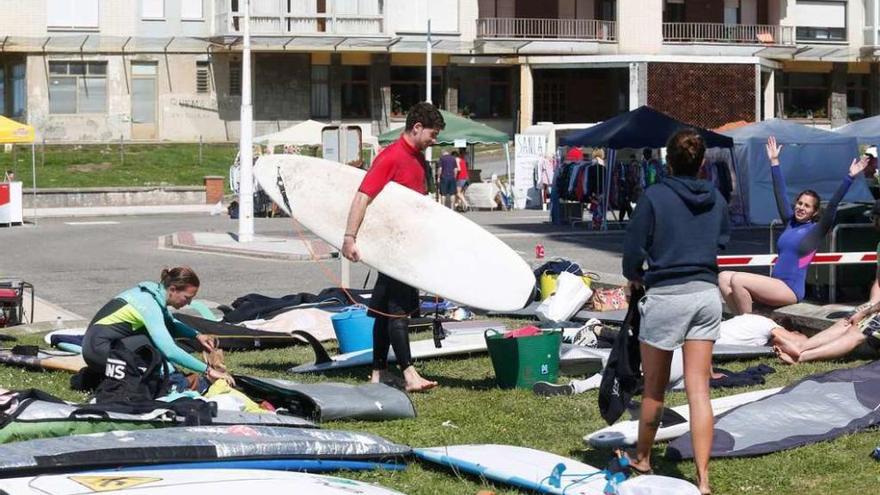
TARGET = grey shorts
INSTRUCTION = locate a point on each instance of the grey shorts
(670, 319)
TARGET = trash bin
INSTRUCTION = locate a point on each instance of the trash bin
(521, 361)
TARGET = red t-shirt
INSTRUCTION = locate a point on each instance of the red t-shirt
(399, 162)
(462, 169)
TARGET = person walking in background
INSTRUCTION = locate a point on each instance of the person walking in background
(677, 228)
(10, 176)
(447, 169)
(461, 180)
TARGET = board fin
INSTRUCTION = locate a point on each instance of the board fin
(321, 355)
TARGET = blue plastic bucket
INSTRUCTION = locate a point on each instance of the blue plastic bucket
(354, 329)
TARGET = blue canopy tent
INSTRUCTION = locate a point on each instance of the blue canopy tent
(866, 131)
(643, 127)
(811, 159)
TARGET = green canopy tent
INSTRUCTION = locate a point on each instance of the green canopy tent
(460, 129)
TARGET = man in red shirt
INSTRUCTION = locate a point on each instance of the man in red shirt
(392, 301)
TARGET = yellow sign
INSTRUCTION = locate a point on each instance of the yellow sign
(111, 483)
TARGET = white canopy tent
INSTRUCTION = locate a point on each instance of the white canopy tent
(307, 133)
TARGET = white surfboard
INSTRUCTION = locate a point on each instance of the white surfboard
(404, 234)
(625, 433)
(538, 471)
(188, 482)
(458, 342)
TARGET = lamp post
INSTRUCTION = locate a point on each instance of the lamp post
(245, 152)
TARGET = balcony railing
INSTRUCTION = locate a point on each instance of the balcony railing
(581, 29)
(281, 21)
(745, 34)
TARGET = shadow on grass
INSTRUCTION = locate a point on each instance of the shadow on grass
(601, 457)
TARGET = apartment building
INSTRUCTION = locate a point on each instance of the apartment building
(86, 70)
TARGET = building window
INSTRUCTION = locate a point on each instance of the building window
(235, 78)
(13, 89)
(823, 20)
(806, 95)
(192, 10)
(203, 77)
(858, 96)
(77, 87)
(72, 15)
(485, 93)
(673, 11)
(153, 10)
(320, 83)
(355, 92)
(408, 88)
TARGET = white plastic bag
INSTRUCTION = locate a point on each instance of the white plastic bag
(570, 296)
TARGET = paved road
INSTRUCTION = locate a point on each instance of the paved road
(81, 263)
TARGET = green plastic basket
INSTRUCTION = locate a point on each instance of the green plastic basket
(522, 361)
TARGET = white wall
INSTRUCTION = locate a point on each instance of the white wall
(412, 16)
(640, 26)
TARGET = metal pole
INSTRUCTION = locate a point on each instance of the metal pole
(832, 273)
(428, 78)
(121, 150)
(34, 190)
(246, 184)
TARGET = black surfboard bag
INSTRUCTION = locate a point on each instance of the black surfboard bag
(133, 376)
(622, 376)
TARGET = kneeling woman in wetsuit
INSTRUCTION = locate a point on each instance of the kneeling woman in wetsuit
(140, 316)
(804, 231)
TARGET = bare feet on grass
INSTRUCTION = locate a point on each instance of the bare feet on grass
(415, 382)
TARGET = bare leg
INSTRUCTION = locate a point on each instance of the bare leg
(655, 365)
(834, 348)
(795, 348)
(697, 367)
(726, 289)
(749, 287)
(788, 335)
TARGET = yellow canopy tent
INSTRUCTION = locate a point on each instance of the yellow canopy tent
(17, 133)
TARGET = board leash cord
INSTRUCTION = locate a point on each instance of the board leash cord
(333, 279)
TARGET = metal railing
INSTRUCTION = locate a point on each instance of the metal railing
(710, 32)
(278, 19)
(581, 29)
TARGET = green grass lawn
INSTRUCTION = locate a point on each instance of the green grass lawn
(109, 165)
(478, 412)
(104, 165)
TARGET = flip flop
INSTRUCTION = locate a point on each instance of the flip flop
(641, 472)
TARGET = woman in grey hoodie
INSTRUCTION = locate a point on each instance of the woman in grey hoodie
(677, 229)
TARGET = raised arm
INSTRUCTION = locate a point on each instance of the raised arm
(829, 215)
(779, 191)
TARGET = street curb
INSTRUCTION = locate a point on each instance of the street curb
(185, 241)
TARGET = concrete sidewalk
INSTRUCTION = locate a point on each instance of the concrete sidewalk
(265, 247)
(101, 211)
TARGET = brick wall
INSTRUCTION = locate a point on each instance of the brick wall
(707, 95)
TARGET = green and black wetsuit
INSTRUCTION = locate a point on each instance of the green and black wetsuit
(136, 317)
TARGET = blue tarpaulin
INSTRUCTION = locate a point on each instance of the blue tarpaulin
(866, 131)
(811, 159)
(643, 127)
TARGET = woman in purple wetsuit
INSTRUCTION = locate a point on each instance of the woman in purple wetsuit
(797, 245)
